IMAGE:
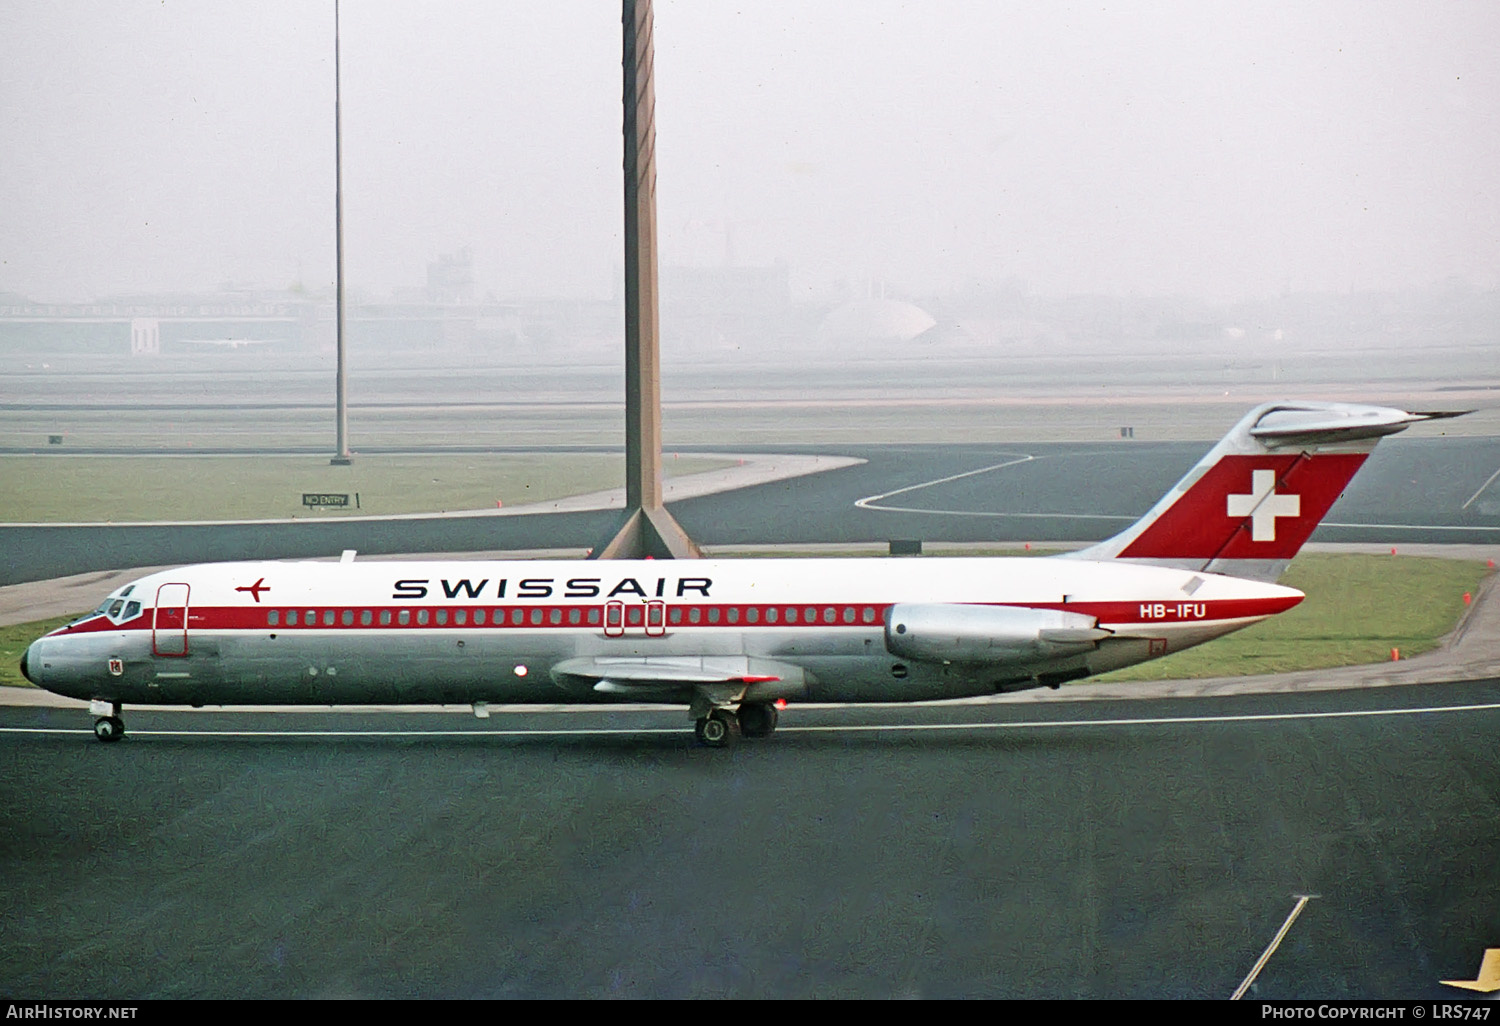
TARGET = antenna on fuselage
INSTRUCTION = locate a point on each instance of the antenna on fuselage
(645, 528)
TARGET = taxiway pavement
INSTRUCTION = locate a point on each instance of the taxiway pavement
(1087, 849)
(1412, 490)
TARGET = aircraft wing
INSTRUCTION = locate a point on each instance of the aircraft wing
(644, 674)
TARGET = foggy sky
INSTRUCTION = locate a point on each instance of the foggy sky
(1221, 150)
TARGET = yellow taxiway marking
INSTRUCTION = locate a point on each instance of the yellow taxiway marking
(1265, 956)
(1488, 980)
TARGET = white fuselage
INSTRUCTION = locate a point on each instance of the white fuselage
(466, 632)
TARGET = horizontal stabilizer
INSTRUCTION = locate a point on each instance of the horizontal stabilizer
(1335, 423)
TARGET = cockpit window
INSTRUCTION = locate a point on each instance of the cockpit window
(127, 591)
(132, 610)
(115, 607)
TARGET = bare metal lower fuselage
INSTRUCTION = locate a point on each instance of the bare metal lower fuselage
(467, 666)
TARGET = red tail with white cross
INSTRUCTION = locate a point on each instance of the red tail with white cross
(1249, 505)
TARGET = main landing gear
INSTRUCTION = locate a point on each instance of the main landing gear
(722, 726)
(107, 726)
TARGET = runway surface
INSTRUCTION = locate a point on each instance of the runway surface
(1411, 490)
(1083, 849)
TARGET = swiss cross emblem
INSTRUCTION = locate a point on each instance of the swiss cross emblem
(1263, 505)
(116, 667)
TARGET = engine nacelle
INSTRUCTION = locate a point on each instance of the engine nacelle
(954, 633)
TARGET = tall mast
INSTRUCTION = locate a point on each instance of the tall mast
(646, 528)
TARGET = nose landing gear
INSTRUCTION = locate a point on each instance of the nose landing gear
(108, 726)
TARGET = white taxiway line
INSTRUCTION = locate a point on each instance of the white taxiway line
(847, 728)
(1014, 516)
(1149, 720)
(1487, 483)
(354, 733)
(866, 502)
(1302, 900)
(871, 501)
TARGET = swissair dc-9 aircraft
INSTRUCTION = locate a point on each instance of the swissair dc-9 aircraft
(733, 640)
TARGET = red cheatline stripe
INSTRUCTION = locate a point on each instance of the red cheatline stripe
(675, 617)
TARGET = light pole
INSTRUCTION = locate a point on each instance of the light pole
(341, 457)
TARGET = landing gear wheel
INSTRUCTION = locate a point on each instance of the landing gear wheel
(757, 719)
(718, 729)
(109, 728)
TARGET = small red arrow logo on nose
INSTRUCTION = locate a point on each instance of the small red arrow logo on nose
(255, 589)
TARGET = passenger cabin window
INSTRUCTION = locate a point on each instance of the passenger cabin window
(291, 618)
(328, 618)
(404, 617)
(422, 616)
(365, 617)
(273, 618)
(347, 619)
(385, 617)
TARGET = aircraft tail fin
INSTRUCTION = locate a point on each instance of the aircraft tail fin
(1250, 504)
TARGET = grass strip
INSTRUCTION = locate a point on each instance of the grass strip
(120, 489)
(1358, 608)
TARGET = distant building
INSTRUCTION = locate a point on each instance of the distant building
(450, 278)
(875, 321)
(725, 307)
